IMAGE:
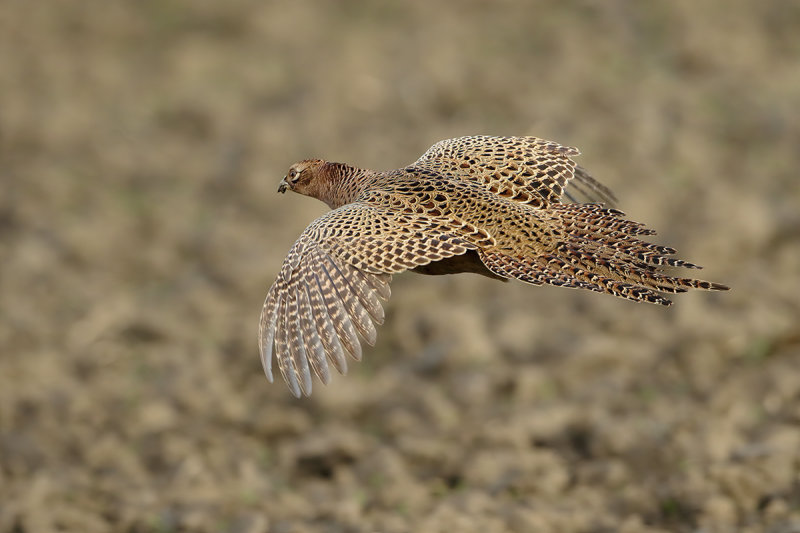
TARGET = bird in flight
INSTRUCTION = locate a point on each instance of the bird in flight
(490, 205)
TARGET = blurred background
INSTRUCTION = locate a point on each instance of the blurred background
(141, 144)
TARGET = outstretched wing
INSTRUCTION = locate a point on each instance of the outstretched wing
(327, 292)
(525, 169)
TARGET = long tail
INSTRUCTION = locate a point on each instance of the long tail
(595, 248)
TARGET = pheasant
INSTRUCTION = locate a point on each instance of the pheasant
(487, 205)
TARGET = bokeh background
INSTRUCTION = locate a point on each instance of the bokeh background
(140, 148)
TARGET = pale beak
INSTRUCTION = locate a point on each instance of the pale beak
(283, 185)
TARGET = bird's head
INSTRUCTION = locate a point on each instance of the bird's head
(332, 183)
(304, 177)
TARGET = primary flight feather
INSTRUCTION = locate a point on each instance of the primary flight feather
(488, 205)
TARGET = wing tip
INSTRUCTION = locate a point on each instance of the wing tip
(268, 372)
(305, 383)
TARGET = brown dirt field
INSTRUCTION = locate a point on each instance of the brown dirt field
(140, 148)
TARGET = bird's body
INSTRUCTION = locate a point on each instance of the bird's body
(488, 205)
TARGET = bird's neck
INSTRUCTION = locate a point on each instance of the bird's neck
(343, 184)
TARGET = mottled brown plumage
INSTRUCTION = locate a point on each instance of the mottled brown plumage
(488, 205)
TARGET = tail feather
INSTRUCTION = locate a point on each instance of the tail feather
(553, 270)
(595, 248)
(620, 288)
(618, 265)
(533, 271)
(603, 220)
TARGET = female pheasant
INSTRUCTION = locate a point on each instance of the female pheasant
(489, 205)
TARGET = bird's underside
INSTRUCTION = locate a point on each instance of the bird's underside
(488, 205)
(468, 262)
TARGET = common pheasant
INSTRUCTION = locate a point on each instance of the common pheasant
(488, 205)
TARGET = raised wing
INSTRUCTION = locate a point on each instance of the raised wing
(327, 292)
(528, 170)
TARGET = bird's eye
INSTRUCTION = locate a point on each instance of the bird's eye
(293, 175)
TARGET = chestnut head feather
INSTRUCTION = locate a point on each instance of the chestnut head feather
(303, 177)
(333, 183)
